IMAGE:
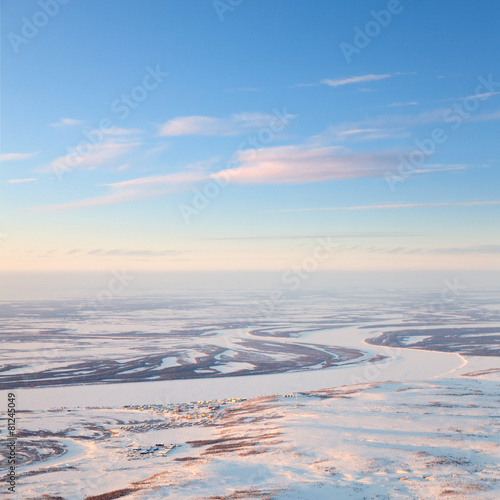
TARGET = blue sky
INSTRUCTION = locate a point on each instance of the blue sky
(201, 135)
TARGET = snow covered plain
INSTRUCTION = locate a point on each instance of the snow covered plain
(398, 423)
(422, 440)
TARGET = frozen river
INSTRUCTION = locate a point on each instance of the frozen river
(399, 364)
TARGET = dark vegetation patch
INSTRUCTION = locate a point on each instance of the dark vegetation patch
(266, 356)
(466, 341)
(113, 494)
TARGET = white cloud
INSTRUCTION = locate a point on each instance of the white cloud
(91, 155)
(479, 249)
(236, 124)
(154, 151)
(354, 79)
(400, 104)
(116, 131)
(274, 165)
(395, 206)
(307, 85)
(18, 181)
(353, 133)
(427, 117)
(16, 156)
(351, 80)
(146, 187)
(67, 122)
(303, 164)
(436, 167)
(401, 121)
(485, 117)
(483, 97)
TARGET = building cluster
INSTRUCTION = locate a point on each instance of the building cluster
(158, 450)
(181, 414)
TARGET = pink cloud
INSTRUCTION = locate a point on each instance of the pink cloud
(16, 156)
(90, 155)
(300, 164)
(19, 181)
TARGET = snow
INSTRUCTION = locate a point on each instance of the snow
(414, 339)
(234, 366)
(168, 363)
(417, 439)
(416, 424)
(400, 364)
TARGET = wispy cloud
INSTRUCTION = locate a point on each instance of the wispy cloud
(278, 165)
(159, 184)
(18, 181)
(424, 118)
(483, 97)
(438, 115)
(152, 152)
(449, 76)
(485, 117)
(385, 126)
(307, 85)
(399, 104)
(117, 131)
(394, 206)
(236, 124)
(132, 253)
(347, 81)
(463, 250)
(367, 234)
(403, 121)
(345, 132)
(146, 187)
(430, 168)
(304, 164)
(478, 249)
(16, 156)
(67, 122)
(99, 252)
(91, 156)
(354, 79)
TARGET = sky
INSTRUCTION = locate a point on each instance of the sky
(238, 135)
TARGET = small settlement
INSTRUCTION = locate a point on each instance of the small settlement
(159, 450)
(181, 414)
